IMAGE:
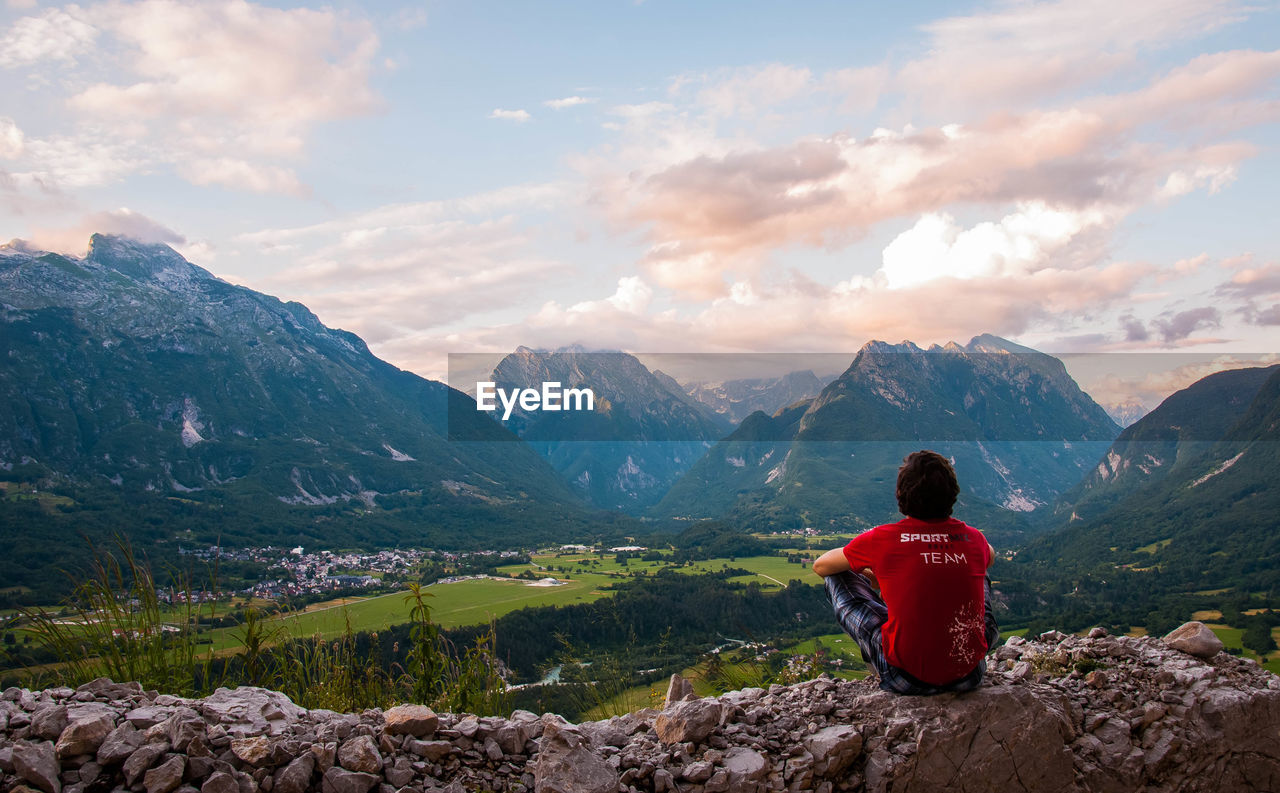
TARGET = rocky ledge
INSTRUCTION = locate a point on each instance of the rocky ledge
(1061, 713)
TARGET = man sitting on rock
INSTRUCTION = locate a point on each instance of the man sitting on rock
(930, 630)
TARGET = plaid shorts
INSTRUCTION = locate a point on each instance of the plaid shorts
(861, 612)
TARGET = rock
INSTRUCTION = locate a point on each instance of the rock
(255, 751)
(89, 772)
(416, 720)
(184, 726)
(141, 760)
(165, 777)
(85, 735)
(566, 764)
(431, 750)
(688, 721)
(338, 780)
(1194, 638)
(678, 690)
(220, 782)
(148, 716)
(295, 777)
(360, 754)
(119, 744)
(833, 749)
(697, 772)
(248, 710)
(398, 775)
(325, 754)
(37, 763)
(49, 721)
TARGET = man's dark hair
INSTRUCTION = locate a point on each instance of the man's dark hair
(927, 486)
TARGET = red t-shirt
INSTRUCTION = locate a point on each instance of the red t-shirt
(931, 577)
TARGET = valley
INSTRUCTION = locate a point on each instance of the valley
(242, 448)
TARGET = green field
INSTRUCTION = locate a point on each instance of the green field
(477, 601)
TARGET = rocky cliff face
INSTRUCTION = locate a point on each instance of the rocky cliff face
(1060, 713)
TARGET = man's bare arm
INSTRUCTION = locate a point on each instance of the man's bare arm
(831, 562)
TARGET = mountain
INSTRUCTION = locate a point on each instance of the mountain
(1018, 428)
(195, 409)
(642, 434)
(1168, 438)
(737, 399)
(1187, 495)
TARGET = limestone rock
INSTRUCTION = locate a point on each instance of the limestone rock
(416, 720)
(37, 763)
(688, 721)
(1194, 638)
(566, 764)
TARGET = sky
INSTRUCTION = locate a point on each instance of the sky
(1081, 177)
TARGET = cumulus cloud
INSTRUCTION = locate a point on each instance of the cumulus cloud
(709, 204)
(518, 116)
(1017, 245)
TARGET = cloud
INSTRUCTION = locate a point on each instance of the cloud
(518, 116)
(1017, 245)
(1028, 51)
(754, 90)
(1178, 326)
(1267, 316)
(219, 92)
(708, 204)
(11, 139)
(1253, 282)
(127, 222)
(568, 101)
(57, 34)
(632, 297)
(242, 175)
(1150, 388)
(235, 61)
(1134, 330)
